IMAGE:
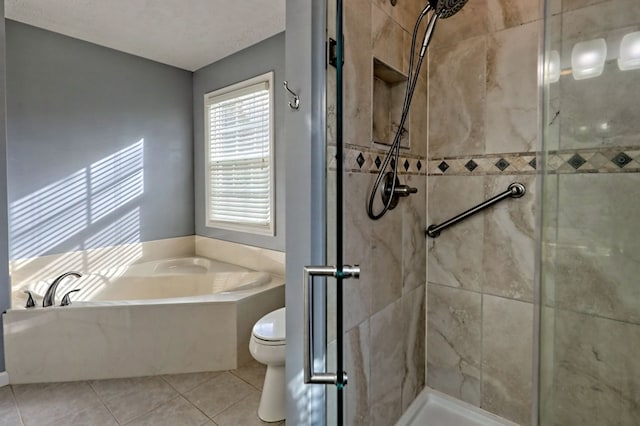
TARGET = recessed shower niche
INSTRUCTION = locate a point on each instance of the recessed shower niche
(388, 96)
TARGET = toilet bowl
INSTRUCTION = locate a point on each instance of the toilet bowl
(267, 346)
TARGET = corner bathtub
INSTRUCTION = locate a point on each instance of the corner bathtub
(169, 316)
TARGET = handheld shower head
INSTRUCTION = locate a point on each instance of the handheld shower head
(448, 8)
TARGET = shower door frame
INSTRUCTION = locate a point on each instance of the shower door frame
(306, 228)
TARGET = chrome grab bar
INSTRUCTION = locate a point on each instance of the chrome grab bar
(310, 375)
(515, 190)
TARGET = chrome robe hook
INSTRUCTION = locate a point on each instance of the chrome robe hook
(296, 99)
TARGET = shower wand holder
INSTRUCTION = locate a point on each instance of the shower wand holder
(398, 191)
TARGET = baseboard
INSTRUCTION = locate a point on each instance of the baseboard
(4, 378)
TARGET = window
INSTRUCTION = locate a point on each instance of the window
(239, 156)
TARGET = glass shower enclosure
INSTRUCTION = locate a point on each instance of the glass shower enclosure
(590, 223)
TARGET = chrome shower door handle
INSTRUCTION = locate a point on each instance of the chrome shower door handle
(310, 375)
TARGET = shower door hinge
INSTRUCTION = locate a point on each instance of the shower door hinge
(332, 52)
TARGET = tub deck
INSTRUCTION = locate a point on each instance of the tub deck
(101, 339)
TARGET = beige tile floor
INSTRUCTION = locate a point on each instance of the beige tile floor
(226, 398)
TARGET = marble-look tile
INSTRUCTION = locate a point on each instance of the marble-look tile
(387, 38)
(39, 403)
(387, 364)
(598, 249)
(96, 415)
(177, 411)
(546, 372)
(357, 226)
(457, 90)
(471, 21)
(414, 255)
(217, 395)
(244, 412)
(456, 257)
(8, 410)
(413, 326)
(568, 5)
(252, 373)
(358, 73)
(597, 371)
(404, 13)
(387, 409)
(511, 13)
(132, 397)
(507, 350)
(375, 245)
(597, 20)
(512, 101)
(256, 258)
(454, 342)
(599, 112)
(357, 353)
(510, 238)
(419, 117)
(185, 382)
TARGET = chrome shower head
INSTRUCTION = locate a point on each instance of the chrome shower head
(447, 8)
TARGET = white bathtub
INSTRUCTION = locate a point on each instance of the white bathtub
(433, 408)
(175, 315)
(152, 282)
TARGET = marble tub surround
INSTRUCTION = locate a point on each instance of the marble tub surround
(185, 399)
(99, 340)
(256, 258)
(28, 270)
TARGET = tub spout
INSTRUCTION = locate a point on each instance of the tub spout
(50, 295)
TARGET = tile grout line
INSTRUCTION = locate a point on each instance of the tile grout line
(58, 385)
(148, 412)
(15, 403)
(250, 384)
(104, 403)
(189, 390)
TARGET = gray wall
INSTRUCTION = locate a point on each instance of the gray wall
(268, 55)
(5, 286)
(107, 134)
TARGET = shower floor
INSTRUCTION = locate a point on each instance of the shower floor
(214, 398)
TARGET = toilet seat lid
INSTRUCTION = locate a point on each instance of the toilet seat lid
(271, 327)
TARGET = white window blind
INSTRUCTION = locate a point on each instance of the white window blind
(239, 147)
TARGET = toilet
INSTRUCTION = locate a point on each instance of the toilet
(267, 346)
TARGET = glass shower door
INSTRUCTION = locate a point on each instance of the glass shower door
(590, 259)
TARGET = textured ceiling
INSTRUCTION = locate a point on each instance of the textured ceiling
(188, 34)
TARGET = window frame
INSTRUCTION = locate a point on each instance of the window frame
(208, 98)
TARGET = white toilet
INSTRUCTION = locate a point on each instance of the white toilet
(267, 345)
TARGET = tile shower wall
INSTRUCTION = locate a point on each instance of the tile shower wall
(385, 308)
(483, 136)
(591, 327)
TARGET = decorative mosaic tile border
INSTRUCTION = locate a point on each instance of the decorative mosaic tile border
(359, 159)
(594, 160)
